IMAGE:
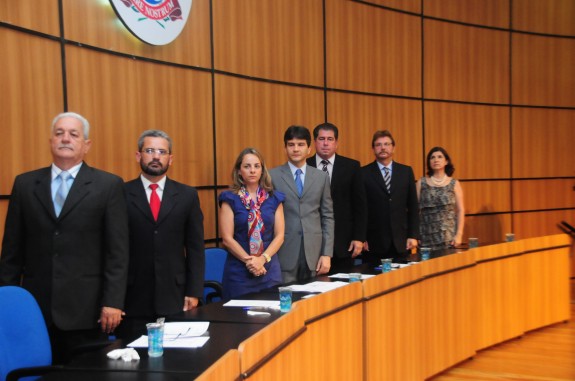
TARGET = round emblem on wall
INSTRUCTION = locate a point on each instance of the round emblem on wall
(157, 22)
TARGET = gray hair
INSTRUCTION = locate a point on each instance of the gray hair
(85, 123)
(154, 134)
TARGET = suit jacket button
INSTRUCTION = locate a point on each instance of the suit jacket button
(56, 232)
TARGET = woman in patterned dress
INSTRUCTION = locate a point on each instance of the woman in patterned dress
(251, 221)
(440, 203)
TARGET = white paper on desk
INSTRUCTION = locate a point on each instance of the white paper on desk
(346, 276)
(180, 342)
(181, 329)
(271, 304)
(317, 286)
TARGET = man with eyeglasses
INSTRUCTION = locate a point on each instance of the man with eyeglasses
(393, 212)
(166, 272)
(66, 241)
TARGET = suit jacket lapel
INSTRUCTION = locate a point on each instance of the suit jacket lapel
(43, 191)
(169, 200)
(139, 198)
(80, 189)
(310, 179)
(289, 179)
(379, 177)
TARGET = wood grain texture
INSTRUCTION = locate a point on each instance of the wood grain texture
(227, 368)
(359, 116)
(372, 49)
(543, 71)
(256, 114)
(465, 63)
(41, 16)
(493, 13)
(543, 194)
(542, 143)
(550, 16)
(489, 229)
(280, 40)
(127, 97)
(413, 6)
(473, 135)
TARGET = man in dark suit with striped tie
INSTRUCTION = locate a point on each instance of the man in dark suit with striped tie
(347, 193)
(393, 212)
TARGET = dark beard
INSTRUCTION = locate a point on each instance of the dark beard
(153, 171)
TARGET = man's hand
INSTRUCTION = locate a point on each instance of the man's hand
(110, 318)
(323, 265)
(355, 247)
(190, 302)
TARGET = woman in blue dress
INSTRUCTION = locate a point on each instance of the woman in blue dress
(251, 221)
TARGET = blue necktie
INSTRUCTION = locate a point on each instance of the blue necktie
(298, 183)
(62, 192)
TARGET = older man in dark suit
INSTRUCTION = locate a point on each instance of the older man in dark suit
(66, 240)
(393, 212)
(347, 193)
(166, 274)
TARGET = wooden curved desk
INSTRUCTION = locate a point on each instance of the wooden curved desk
(413, 323)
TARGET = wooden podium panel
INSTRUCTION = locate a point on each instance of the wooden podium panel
(227, 368)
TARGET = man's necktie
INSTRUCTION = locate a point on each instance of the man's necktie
(387, 178)
(298, 183)
(324, 163)
(154, 201)
(62, 192)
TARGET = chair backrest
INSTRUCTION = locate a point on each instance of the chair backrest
(215, 260)
(24, 340)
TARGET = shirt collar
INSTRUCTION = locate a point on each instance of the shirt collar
(318, 159)
(146, 182)
(293, 168)
(72, 171)
(381, 166)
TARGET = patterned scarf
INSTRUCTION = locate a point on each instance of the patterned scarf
(255, 222)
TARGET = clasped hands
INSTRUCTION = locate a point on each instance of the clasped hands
(255, 265)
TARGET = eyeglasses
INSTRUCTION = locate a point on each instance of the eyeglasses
(159, 151)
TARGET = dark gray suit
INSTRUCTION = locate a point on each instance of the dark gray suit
(310, 216)
(75, 263)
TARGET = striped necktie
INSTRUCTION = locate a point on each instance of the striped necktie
(325, 164)
(387, 178)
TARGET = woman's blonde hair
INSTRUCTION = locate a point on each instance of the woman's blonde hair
(265, 179)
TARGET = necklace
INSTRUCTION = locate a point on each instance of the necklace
(435, 181)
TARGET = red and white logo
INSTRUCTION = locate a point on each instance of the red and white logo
(157, 22)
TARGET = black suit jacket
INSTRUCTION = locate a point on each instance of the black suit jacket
(349, 203)
(392, 218)
(167, 256)
(75, 263)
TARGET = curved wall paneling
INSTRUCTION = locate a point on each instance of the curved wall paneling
(278, 40)
(489, 80)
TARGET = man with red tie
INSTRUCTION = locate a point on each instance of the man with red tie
(166, 272)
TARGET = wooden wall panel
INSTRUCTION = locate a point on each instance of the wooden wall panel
(31, 95)
(359, 116)
(280, 40)
(465, 63)
(488, 228)
(486, 196)
(476, 137)
(210, 210)
(122, 97)
(404, 5)
(538, 224)
(549, 16)
(256, 114)
(372, 49)
(41, 16)
(493, 13)
(543, 71)
(95, 23)
(3, 211)
(543, 142)
(543, 194)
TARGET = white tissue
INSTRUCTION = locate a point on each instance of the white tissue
(126, 354)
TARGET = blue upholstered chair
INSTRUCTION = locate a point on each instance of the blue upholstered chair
(24, 341)
(215, 259)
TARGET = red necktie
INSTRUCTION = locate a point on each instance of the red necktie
(154, 201)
